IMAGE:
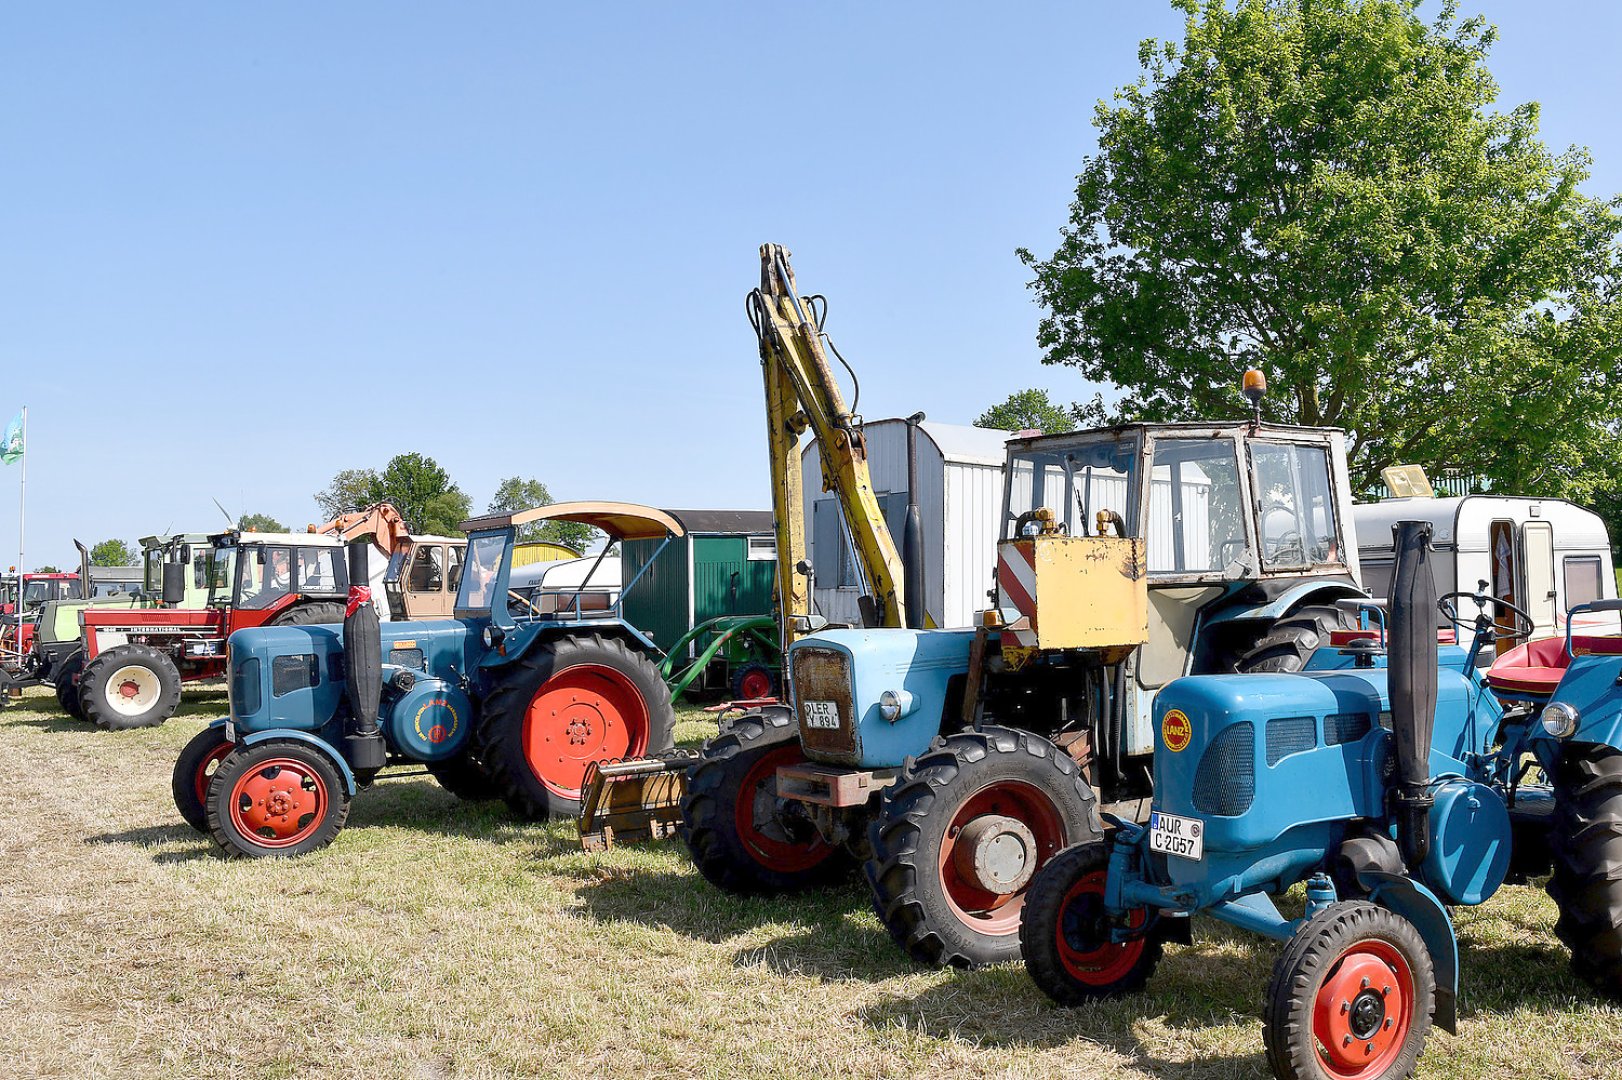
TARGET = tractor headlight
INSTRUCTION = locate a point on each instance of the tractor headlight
(493, 636)
(894, 704)
(1560, 719)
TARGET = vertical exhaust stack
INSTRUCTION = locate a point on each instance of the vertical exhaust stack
(1412, 659)
(363, 669)
(912, 536)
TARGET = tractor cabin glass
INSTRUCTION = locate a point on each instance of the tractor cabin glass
(1197, 509)
(1076, 480)
(1295, 506)
(484, 555)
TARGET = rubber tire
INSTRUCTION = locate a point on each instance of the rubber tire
(1039, 930)
(310, 613)
(500, 731)
(907, 834)
(465, 778)
(709, 809)
(183, 784)
(1298, 973)
(745, 670)
(93, 687)
(231, 842)
(1586, 843)
(1288, 643)
(67, 691)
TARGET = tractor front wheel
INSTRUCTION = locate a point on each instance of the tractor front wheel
(1065, 932)
(278, 797)
(960, 835)
(1586, 843)
(1350, 998)
(130, 686)
(194, 769)
(754, 681)
(566, 703)
(740, 839)
(65, 679)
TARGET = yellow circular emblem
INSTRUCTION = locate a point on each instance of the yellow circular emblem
(1175, 730)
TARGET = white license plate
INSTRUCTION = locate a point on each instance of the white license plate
(1181, 837)
(821, 714)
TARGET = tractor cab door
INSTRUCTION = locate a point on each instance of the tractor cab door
(428, 590)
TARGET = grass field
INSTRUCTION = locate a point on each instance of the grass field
(442, 939)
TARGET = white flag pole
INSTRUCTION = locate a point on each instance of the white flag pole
(22, 509)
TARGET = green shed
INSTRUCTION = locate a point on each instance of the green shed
(725, 565)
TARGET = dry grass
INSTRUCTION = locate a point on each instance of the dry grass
(440, 939)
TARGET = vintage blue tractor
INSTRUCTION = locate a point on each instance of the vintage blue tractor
(1395, 781)
(504, 700)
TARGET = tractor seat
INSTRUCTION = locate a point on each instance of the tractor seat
(1534, 670)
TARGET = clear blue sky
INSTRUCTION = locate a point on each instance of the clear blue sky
(246, 246)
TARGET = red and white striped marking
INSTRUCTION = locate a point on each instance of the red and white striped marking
(1016, 578)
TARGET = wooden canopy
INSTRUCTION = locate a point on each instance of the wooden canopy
(621, 521)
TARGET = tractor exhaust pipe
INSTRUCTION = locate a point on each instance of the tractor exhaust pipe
(1412, 660)
(912, 536)
(363, 669)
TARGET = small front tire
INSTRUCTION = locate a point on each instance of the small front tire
(278, 797)
(194, 770)
(1064, 933)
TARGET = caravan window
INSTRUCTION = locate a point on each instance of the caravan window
(1583, 580)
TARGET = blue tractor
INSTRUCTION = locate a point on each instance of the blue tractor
(1394, 780)
(507, 699)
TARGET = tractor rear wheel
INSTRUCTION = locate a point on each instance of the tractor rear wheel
(1064, 934)
(566, 703)
(465, 778)
(963, 831)
(739, 839)
(1586, 842)
(193, 770)
(1351, 997)
(67, 688)
(312, 613)
(278, 797)
(1288, 643)
(129, 686)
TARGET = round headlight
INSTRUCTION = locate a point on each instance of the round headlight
(493, 636)
(890, 706)
(1560, 719)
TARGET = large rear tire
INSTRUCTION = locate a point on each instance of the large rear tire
(311, 613)
(129, 686)
(566, 703)
(465, 778)
(1288, 643)
(1586, 843)
(66, 680)
(733, 827)
(960, 836)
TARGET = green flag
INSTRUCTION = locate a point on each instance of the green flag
(11, 447)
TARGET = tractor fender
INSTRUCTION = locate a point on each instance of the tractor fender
(1420, 906)
(1243, 605)
(520, 641)
(305, 737)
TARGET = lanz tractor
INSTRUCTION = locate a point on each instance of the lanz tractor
(1394, 785)
(502, 700)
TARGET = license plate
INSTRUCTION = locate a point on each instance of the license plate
(821, 714)
(1181, 837)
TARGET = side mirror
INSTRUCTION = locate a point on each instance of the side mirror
(185, 554)
(259, 555)
(174, 583)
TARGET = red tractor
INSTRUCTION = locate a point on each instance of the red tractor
(134, 661)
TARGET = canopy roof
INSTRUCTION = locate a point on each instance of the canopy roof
(621, 521)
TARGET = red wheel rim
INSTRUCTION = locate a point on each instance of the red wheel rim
(279, 802)
(1363, 1010)
(205, 770)
(984, 911)
(1085, 950)
(755, 684)
(755, 816)
(582, 714)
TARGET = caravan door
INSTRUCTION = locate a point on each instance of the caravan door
(1537, 537)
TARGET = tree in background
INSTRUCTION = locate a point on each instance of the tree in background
(114, 553)
(417, 486)
(1027, 409)
(48, 568)
(1323, 190)
(260, 523)
(516, 493)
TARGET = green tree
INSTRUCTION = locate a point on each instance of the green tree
(1027, 409)
(114, 553)
(260, 523)
(516, 493)
(1323, 189)
(416, 484)
(351, 489)
(48, 568)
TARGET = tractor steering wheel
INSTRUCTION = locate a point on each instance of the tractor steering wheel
(1490, 628)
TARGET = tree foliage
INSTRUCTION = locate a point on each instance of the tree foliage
(516, 493)
(1324, 190)
(260, 523)
(1027, 409)
(114, 553)
(417, 486)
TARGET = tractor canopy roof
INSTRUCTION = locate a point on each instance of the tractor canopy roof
(1186, 429)
(621, 521)
(164, 540)
(280, 539)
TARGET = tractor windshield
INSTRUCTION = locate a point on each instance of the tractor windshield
(484, 556)
(1076, 479)
(1196, 509)
(1295, 506)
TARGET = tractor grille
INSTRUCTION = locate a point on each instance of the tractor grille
(290, 673)
(824, 675)
(1345, 727)
(1225, 782)
(1288, 735)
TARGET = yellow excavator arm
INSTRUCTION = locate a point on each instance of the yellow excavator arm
(802, 394)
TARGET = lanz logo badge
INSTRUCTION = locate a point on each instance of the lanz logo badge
(1175, 730)
(439, 732)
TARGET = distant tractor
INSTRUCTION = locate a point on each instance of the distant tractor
(503, 700)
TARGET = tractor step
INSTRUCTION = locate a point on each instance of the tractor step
(633, 800)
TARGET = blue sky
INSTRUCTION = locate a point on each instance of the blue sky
(246, 246)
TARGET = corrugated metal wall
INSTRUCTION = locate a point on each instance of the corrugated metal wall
(974, 495)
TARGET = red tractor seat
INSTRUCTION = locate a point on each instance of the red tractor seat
(1536, 668)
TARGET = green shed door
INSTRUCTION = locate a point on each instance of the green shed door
(657, 605)
(726, 581)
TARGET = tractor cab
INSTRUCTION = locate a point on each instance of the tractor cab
(189, 551)
(424, 576)
(257, 576)
(37, 591)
